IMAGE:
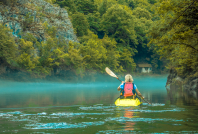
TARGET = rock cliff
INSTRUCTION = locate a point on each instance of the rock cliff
(28, 16)
(182, 90)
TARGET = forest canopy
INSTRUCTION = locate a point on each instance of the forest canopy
(175, 34)
(116, 33)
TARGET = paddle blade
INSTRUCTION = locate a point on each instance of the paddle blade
(110, 72)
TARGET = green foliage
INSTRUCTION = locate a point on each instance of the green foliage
(142, 13)
(152, 1)
(99, 53)
(27, 59)
(175, 34)
(94, 52)
(94, 22)
(51, 1)
(8, 48)
(8, 2)
(112, 54)
(122, 26)
(28, 21)
(73, 57)
(85, 6)
(119, 24)
(103, 7)
(68, 4)
(80, 24)
(142, 27)
(125, 21)
(126, 60)
(50, 30)
(142, 4)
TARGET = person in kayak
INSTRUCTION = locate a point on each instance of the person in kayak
(128, 88)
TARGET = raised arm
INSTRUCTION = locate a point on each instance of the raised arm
(119, 86)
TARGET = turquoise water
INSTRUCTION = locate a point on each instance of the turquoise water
(89, 108)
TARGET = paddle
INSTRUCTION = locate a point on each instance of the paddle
(146, 101)
(113, 75)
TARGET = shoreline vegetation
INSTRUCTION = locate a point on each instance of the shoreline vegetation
(109, 33)
(87, 77)
(37, 39)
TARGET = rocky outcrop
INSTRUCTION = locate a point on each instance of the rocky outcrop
(182, 90)
(28, 16)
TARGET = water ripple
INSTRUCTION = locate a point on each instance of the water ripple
(76, 114)
(105, 108)
(149, 120)
(118, 131)
(156, 111)
(154, 104)
(62, 125)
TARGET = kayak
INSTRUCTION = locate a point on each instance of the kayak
(128, 102)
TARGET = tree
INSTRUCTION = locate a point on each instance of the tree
(80, 24)
(68, 4)
(119, 24)
(175, 35)
(94, 22)
(8, 48)
(142, 13)
(94, 52)
(27, 59)
(85, 6)
(103, 7)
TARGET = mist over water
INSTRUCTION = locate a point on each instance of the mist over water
(48, 93)
(88, 107)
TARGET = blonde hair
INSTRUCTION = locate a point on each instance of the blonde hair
(128, 78)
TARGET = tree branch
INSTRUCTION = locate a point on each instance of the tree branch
(187, 45)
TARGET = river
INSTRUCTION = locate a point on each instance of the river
(88, 108)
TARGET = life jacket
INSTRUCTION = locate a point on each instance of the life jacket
(128, 89)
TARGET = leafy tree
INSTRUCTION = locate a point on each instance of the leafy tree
(73, 57)
(103, 7)
(68, 4)
(152, 1)
(119, 24)
(80, 24)
(142, 4)
(142, 27)
(50, 30)
(8, 2)
(85, 6)
(8, 48)
(141, 12)
(94, 52)
(175, 34)
(126, 60)
(28, 21)
(94, 22)
(27, 59)
(112, 54)
(51, 1)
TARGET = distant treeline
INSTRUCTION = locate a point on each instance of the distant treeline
(112, 33)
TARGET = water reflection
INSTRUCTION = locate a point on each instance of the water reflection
(19, 94)
(129, 125)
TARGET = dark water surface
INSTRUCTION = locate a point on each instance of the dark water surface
(89, 108)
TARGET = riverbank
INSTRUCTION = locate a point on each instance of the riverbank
(69, 76)
(182, 89)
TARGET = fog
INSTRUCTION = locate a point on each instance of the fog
(101, 90)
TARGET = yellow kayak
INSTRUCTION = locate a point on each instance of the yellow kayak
(128, 102)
